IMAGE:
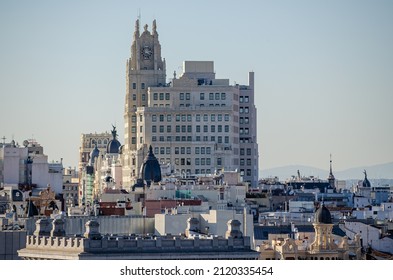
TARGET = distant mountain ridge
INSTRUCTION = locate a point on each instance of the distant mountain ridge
(379, 171)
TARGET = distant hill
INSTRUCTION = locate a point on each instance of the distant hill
(379, 171)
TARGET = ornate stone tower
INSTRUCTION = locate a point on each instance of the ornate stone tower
(323, 231)
(144, 69)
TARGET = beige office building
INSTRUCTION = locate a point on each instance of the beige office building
(196, 123)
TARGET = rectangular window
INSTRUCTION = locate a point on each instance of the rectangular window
(248, 161)
(219, 161)
(183, 118)
(169, 128)
(161, 96)
(217, 96)
(198, 117)
(226, 117)
(154, 129)
(133, 140)
(196, 161)
(189, 118)
(208, 161)
(183, 128)
(205, 128)
(241, 110)
(213, 138)
(141, 140)
(143, 97)
(212, 128)
(219, 139)
(219, 128)
(242, 161)
(246, 110)
(167, 96)
(177, 117)
(219, 117)
(182, 150)
(226, 139)
(161, 129)
(156, 150)
(205, 118)
(134, 97)
(189, 128)
(213, 117)
(211, 96)
(242, 152)
(226, 128)
(197, 150)
(178, 128)
(202, 96)
(143, 86)
(176, 150)
(161, 118)
(202, 150)
(177, 138)
(223, 96)
(188, 150)
(249, 152)
(133, 85)
(189, 139)
(154, 138)
(181, 96)
(197, 138)
(241, 120)
(168, 118)
(208, 150)
(246, 99)
(241, 99)
(155, 96)
(202, 161)
(205, 138)
(198, 128)
(141, 129)
(162, 150)
(188, 96)
(168, 150)
(169, 138)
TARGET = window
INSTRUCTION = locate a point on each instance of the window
(198, 128)
(213, 117)
(246, 131)
(219, 117)
(248, 161)
(246, 120)
(219, 128)
(213, 138)
(189, 118)
(183, 128)
(189, 128)
(181, 96)
(161, 118)
(208, 161)
(219, 139)
(213, 128)
(155, 96)
(133, 85)
(167, 96)
(178, 118)
(176, 150)
(249, 152)
(241, 99)
(161, 96)
(211, 96)
(133, 129)
(143, 97)
(226, 139)
(183, 118)
(205, 128)
(177, 138)
(196, 161)
(143, 86)
(223, 96)
(208, 150)
(202, 150)
(198, 117)
(241, 110)
(182, 150)
(226, 128)
(242, 161)
(161, 129)
(202, 96)
(141, 140)
(168, 118)
(189, 139)
(178, 128)
(205, 138)
(205, 117)
(188, 150)
(202, 161)
(226, 117)
(169, 138)
(246, 99)
(140, 117)
(217, 96)
(162, 150)
(188, 96)
(156, 150)
(197, 150)
(219, 161)
(168, 150)
(248, 172)
(197, 138)
(133, 140)
(246, 110)
(169, 128)
(242, 152)
(141, 128)
(134, 97)
(154, 129)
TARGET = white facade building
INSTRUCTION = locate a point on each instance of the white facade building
(196, 123)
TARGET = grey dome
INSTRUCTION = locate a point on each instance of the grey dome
(323, 216)
(113, 145)
(94, 154)
(366, 183)
(151, 170)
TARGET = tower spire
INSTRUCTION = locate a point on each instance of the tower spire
(331, 172)
(136, 32)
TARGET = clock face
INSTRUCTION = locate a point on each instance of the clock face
(146, 52)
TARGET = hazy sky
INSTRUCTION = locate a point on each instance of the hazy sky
(323, 71)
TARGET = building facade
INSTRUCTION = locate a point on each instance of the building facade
(196, 123)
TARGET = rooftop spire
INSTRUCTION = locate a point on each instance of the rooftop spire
(154, 28)
(136, 32)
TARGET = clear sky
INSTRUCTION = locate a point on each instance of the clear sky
(323, 70)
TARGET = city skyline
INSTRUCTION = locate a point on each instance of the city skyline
(322, 71)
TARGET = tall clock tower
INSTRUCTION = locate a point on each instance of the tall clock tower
(144, 69)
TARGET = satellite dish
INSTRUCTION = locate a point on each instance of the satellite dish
(25, 143)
